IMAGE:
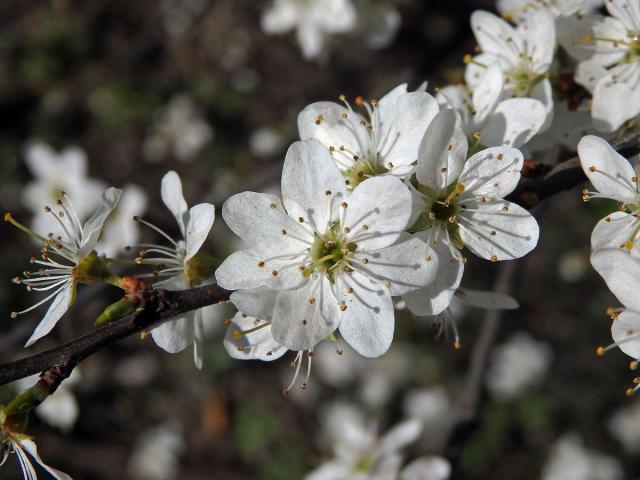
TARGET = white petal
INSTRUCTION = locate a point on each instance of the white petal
(30, 447)
(627, 11)
(543, 92)
(516, 231)
(476, 69)
(457, 98)
(283, 16)
(387, 105)
(616, 100)
(248, 269)
(378, 212)
(571, 31)
(57, 309)
(427, 468)
(436, 297)
(493, 172)
(539, 34)
(368, 321)
(623, 329)
(614, 231)
(312, 185)
(607, 52)
(496, 36)
(257, 345)
(612, 174)
(401, 130)
(305, 316)
(254, 219)
(402, 267)
(175, 335)
(171, 191)
(257, 303)
(514, 122)
(620, 272)
(311, 39)
(201, 219)
(487, 300)
(442, 152)
(324, 121)
(400, 436)
(487, 93)
(92, 228)
(588, 74)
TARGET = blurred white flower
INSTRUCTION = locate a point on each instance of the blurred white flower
(179, 131)
(573, 266)
(60, 409)
(314, 21)
(360, 454)
(624, 425)
(55, 173)
(178, 15)
(120, 230)
(432, 405)
(519, 363)
(378, 22)
(156, 455)
(427, 468)
(570, 460)
(265, 142)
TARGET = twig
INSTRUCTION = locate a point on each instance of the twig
(160, 306)
(468, 402)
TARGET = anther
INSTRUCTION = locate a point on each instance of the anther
(273, 205)
(260, 264)
(593, 169)
(343, 307)
(600, 351)
(14, 314)
(494, 258)
(274, 273)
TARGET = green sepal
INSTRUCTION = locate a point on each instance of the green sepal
(116, 310)
(91, 270)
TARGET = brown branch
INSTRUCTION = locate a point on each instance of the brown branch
(160, 306)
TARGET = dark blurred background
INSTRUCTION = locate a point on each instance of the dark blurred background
(103, 75)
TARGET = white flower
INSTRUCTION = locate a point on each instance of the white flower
(614, 178)
(519, 9)
(360, 454)
(624, 425)
(485, 111)
(265, 142)
(612, 73)
(157, 453)
(21, 445)
(427, 468)
(621, 272)
(66, 260)
(460, 203)
(519, 363)
(183, 264)
(313, 20)
(569, 459)
(60, 409)
(330, 253)
(524, 55)
(55, 173)
(119, 230)
(384, 143)
(179, 130)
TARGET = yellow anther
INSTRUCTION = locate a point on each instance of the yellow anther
(600, 351)
(457, 345)
(633, 365)
(237, 334)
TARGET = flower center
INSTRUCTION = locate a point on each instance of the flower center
(331, 253)
(363, 465)
(522, 79)
(364, 168)
(441, 208)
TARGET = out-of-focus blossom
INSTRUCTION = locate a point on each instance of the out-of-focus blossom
(66, 260)
(60, 409)
(516, 365)
(570, 460)
(612, 71)
(359, 453)
(625, 426)
(178, 131)
(157, 453)
(179, 15)
(427, 468)
(378, 22)
(120, 230)
(265, 142)
(573, 266)
(181, 266)
(314, 21)
(431, 405)
(385, 141)
(56, 173)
